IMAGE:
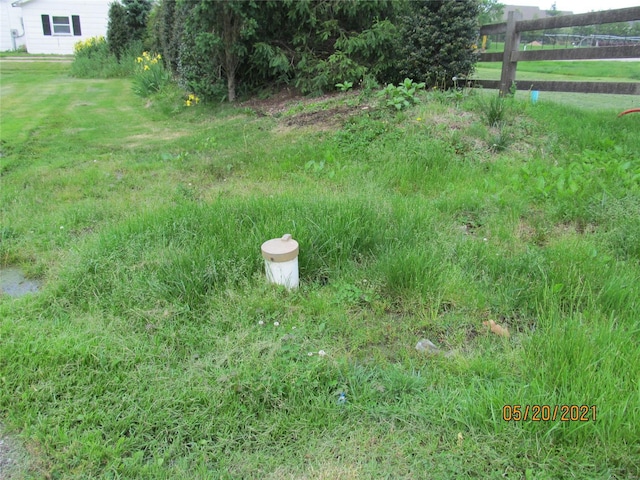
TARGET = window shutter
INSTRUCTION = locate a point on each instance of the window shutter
(46, 25)
(75, 19)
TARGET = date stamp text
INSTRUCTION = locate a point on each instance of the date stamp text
(549, 413)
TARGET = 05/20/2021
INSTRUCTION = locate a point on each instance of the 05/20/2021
(546, 413)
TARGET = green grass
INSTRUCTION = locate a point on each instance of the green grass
(572, 71)
(568, 70)
(152, 350)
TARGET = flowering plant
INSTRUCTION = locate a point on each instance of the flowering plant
(192, 100)
(150, 76)
(92, 45)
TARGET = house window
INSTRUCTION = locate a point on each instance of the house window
(59, 25)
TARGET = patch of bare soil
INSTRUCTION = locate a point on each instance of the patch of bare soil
(320, 119)
(13, 458)
(322, 113)
(282, 101)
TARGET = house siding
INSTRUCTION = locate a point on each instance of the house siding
(93, 14)
(10, 20)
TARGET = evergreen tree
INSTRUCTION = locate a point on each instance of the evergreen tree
(222, 29)
(170, 28)
(439, 39)
(313, 44)
(137, 12)
(117, 29)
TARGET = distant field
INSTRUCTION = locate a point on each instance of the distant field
(573, 71)
(578, 70)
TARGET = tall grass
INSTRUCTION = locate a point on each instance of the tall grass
(92, 59)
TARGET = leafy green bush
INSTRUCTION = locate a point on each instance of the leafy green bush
(439, 41)
(316, 75)
(247, 46)
(150, 76)
(198, 69)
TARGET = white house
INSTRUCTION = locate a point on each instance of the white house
(54, 26)
(11, 28)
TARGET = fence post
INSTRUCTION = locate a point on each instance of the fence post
(511, 45)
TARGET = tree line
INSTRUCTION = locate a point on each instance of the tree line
(220, 49)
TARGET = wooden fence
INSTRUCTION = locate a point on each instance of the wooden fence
(512, 55)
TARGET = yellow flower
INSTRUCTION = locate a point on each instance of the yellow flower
(418, 119)
(146, 67)
(139, 59)
(188, 103)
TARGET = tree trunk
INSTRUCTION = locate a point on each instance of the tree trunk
(230, 36)
(231, 85)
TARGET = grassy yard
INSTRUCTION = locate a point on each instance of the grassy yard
(157, 350)
(568, 70)
(575, 71)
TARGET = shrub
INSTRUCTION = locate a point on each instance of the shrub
(117, 29)
(150, 76)
(198, 69)
(253, 45)
(439, 40)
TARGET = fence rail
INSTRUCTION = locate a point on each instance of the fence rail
(511, 55)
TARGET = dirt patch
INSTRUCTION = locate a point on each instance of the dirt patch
(320, 119)
(452, 120)
(141, 139)
(285, 100)
(574, 228)
(13, 458)
(528, 233)
(294, 110)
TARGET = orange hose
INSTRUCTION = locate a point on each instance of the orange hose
(631, 110)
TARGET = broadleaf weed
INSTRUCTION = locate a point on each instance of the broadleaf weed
(401, 96)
